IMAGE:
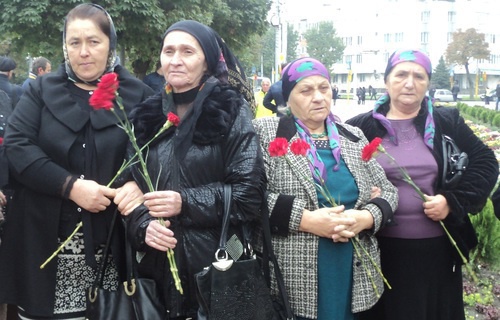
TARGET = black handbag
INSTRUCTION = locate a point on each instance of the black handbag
(455, 163)
(228, 289)
(135, 299)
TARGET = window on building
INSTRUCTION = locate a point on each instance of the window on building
(387, 37)
(359, 58)
(360, 40)
(424, 37)
(361, 77)
(348, 58)
(424, 16)
(451, 16)
(398, 37)
(343, 78)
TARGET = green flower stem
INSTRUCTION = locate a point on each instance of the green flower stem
(327, 195)
(145, 174)
(78, 226)
(373, 262)
(408, 179)
(358, 254)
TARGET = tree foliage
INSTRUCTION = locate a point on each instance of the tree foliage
(441, 76)
(35, 27)
(467, 45)
(324, 44)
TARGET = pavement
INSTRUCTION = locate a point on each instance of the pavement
(346, 109)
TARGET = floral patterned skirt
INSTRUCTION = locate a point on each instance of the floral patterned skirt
(74, 278)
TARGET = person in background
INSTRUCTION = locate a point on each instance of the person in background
(455, 90)
(335, 94)
(418, 259)
(497, 91)
(155, 79)
(262, 111)
(273, 100)
(62, 153)
(495, 198)
(432, 91)
(323, 275)
(14, 91)
(214, 145)
(39, 67)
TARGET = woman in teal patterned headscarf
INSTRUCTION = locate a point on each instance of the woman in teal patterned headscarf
(418, 259)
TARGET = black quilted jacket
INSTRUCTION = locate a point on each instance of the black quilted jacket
(225, 150)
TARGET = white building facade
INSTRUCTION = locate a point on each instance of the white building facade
(372, 30)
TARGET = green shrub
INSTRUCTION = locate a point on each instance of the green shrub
(496, 120)
(487, 228)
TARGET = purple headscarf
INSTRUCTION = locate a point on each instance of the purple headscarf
(298, 70)
(416, 56)
(422, 59)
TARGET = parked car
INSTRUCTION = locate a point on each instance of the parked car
(443, 95)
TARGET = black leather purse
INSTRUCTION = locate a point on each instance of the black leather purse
(455, 163)
(228, 289)
(136, 299)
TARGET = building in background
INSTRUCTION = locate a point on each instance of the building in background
(372, 30)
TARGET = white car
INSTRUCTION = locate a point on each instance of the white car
(443, 95)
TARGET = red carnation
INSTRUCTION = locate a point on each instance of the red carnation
(278, 147)
(103, 96)
(299, 147)
(173, 118)
(370, 149)
(1, 140)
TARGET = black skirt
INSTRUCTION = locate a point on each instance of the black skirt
(425, 278)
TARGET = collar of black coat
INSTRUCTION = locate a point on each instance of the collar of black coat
(213, 113)
(55, 93)
(287, 129)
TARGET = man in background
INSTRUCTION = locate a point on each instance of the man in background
(273, 100)
(262, 111)
(39, 67)
(155, 79)
(497, 91)
(7, 67)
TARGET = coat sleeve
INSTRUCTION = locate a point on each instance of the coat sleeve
(479, 179)
(28, 163)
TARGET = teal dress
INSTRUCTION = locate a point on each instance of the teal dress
(335, 259)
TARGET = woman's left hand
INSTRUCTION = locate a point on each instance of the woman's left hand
(128, 197)
(436, 207)
(364, 220)
(164, 204)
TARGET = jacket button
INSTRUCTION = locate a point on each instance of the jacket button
(79, 209)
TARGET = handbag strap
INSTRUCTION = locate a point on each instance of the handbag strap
(101, 269)
(268, 253)
(225, 217)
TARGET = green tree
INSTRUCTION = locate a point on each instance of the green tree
(467, 45)
(441, 75)
(292, 42)
(35, 26)
(324, 44)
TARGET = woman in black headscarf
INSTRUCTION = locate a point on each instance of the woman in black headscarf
(213, 145)
(62, 154)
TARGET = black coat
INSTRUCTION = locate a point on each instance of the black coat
(224, 150)
(470, 195)
(42, 131)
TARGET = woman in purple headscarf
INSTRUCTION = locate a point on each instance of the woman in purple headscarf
(418, 260)
(324, 276)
